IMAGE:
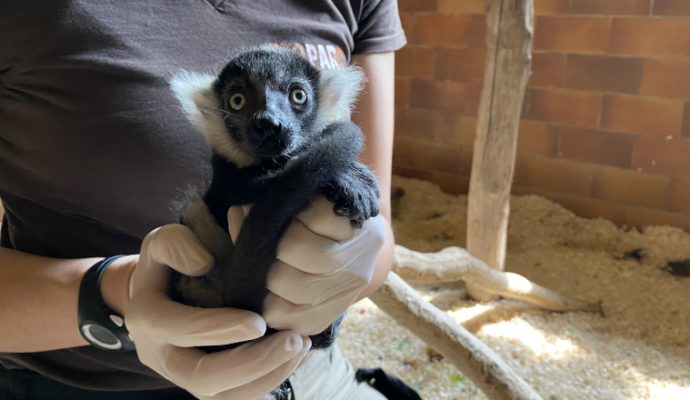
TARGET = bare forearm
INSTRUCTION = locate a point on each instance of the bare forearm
(38, 300)
(374, 115)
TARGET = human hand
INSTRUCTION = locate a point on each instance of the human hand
(166, 333)
(323, 265)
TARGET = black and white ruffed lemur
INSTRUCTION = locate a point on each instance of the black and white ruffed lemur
(281, 135)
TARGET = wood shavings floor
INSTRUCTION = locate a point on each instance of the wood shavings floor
(640, 348)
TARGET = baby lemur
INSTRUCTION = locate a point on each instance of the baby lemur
(280, 134)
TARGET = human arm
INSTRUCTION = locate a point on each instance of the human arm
(39, 295)
(375, 115)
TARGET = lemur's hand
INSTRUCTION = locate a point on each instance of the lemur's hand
(167, 333)
(323, 265)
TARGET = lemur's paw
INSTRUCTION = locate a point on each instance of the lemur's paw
(355, 194)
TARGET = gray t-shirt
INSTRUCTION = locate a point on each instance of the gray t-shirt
(94, 150)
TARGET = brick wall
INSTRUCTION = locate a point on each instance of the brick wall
(605, 128)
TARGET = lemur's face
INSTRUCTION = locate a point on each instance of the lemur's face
(269, 102)
(266, 103)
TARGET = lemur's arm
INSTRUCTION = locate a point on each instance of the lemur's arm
(374, 114)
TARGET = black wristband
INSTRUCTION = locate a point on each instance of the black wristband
(98, 323)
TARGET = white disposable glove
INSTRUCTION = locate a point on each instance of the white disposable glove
(166, 333)
(323, 265)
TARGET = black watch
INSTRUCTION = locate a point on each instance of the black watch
(98, 323)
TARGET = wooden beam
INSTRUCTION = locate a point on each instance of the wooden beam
(509, 44)
(467, 353)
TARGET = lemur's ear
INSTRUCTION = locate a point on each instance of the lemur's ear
(338, 90)
(200, 104)
(194, 91)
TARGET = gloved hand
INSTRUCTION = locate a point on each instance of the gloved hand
(323, 265)
(166, 333)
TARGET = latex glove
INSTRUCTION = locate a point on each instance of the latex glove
(166, 333)
(323, 265)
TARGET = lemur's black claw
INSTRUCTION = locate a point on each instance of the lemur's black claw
(355, 195)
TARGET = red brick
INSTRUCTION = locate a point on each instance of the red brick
(630, 187)
(448, 30)
(537, 138)
(666, 78)
(547, 69)
(571, 34)
(582, 206)
(686, 121)
(446, 96)
(602, 73)
(412, 172)
(679, 196)
(477, 31)
(659, 156)
(461, 64)
(618, 214)
(562, 106)
(415, 123)
(554, 175)
(457, 130)
(644, 115)
(415, 154)
(424, 155)
(650, 36)
(474, 92)
(642, 217)
(462, 6)
(407, 21)
(402, 93)
(595, 146)
(671, 8)
(550, 6)
(601, 7)
(451, 183)
(466, 154)
(415, 62)
(417, 5)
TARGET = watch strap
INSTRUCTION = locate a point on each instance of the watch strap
(99, 324)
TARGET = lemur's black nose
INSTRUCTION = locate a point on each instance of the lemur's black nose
(268, 126)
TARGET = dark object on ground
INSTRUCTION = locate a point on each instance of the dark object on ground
(635, 254)
(388, 385)
(678, 268)
(396, 194)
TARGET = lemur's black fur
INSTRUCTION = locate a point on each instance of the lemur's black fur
(269, 130)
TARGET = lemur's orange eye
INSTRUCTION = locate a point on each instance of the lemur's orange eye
(298, 96)
(237, 101)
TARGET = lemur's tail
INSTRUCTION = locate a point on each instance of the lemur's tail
(291, 193)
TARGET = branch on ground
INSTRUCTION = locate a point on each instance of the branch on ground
(456, 264)
(462, 349)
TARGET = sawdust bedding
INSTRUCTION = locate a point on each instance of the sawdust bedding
(639, 348)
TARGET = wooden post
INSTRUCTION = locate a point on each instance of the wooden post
(508, 52)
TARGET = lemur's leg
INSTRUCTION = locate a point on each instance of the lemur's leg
(203, 291)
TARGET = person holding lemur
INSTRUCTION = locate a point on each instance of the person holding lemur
(94, 150)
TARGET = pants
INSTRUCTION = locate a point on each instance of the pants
(326, 375)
